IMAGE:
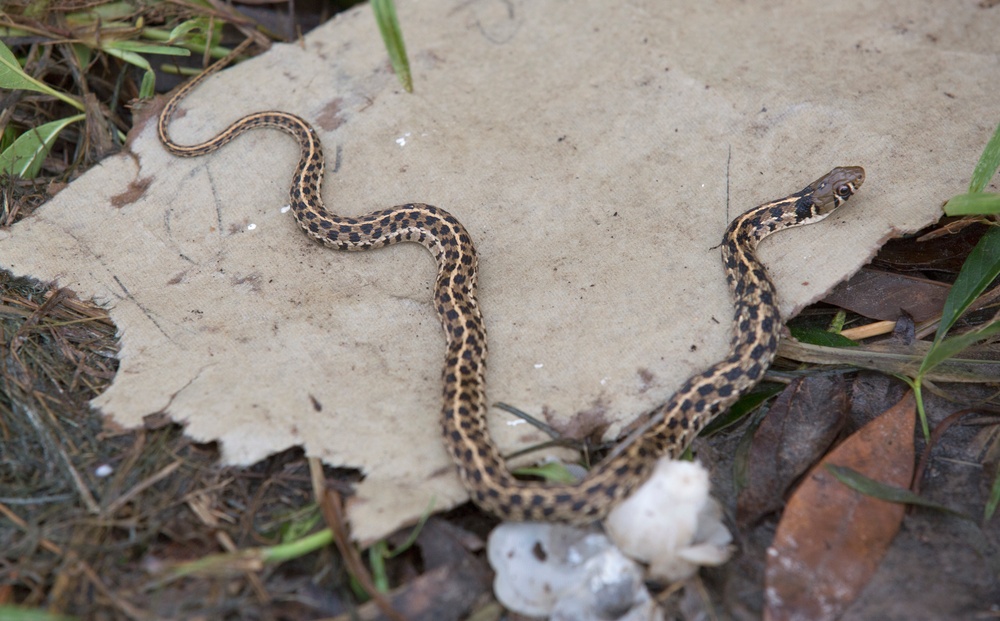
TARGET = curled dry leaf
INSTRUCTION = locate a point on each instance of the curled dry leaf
(832, 538)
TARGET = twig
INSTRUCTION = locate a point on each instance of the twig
(138, 488)
(333, 513)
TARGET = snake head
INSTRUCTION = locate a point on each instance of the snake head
(832, 189)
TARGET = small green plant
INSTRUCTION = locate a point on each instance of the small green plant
(392, 35)
(93, 38)
(23, 154)
(979, 270)
(113, 30)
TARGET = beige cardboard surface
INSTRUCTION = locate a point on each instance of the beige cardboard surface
(595, 151)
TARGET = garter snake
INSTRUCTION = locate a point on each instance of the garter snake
(756, 324)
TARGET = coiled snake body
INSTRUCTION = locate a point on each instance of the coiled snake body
(671, 427)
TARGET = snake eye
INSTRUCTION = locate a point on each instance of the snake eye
(843, 191)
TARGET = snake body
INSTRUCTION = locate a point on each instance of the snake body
(670, 428)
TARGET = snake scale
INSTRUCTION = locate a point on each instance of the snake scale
(672, 426)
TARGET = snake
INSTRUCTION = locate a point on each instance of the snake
(669, 429)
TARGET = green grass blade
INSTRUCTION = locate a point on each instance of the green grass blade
(19, 613)
(988, 163)
(973, 204)
(917, 386)
(128, 56)
(140, 47)
(100, 14)
(148, 86)
(180, 32)
(412, 538)
(890, 493)
(949, 347)
(747, 403)
(376, 560)
(552, 472)
(191, 36)
(200, 31)
(979, 270)
(388, 25)
(8, 137)
(818, 336)
(24, 158)
(124, 52)
(9, 32)
(837, 324)
(295, 549)
(994, 500)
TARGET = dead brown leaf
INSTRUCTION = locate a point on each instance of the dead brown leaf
(832, 538)
(803, 422)
(886, 296)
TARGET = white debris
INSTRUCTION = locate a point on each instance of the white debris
(566, 573)
(672, 523)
